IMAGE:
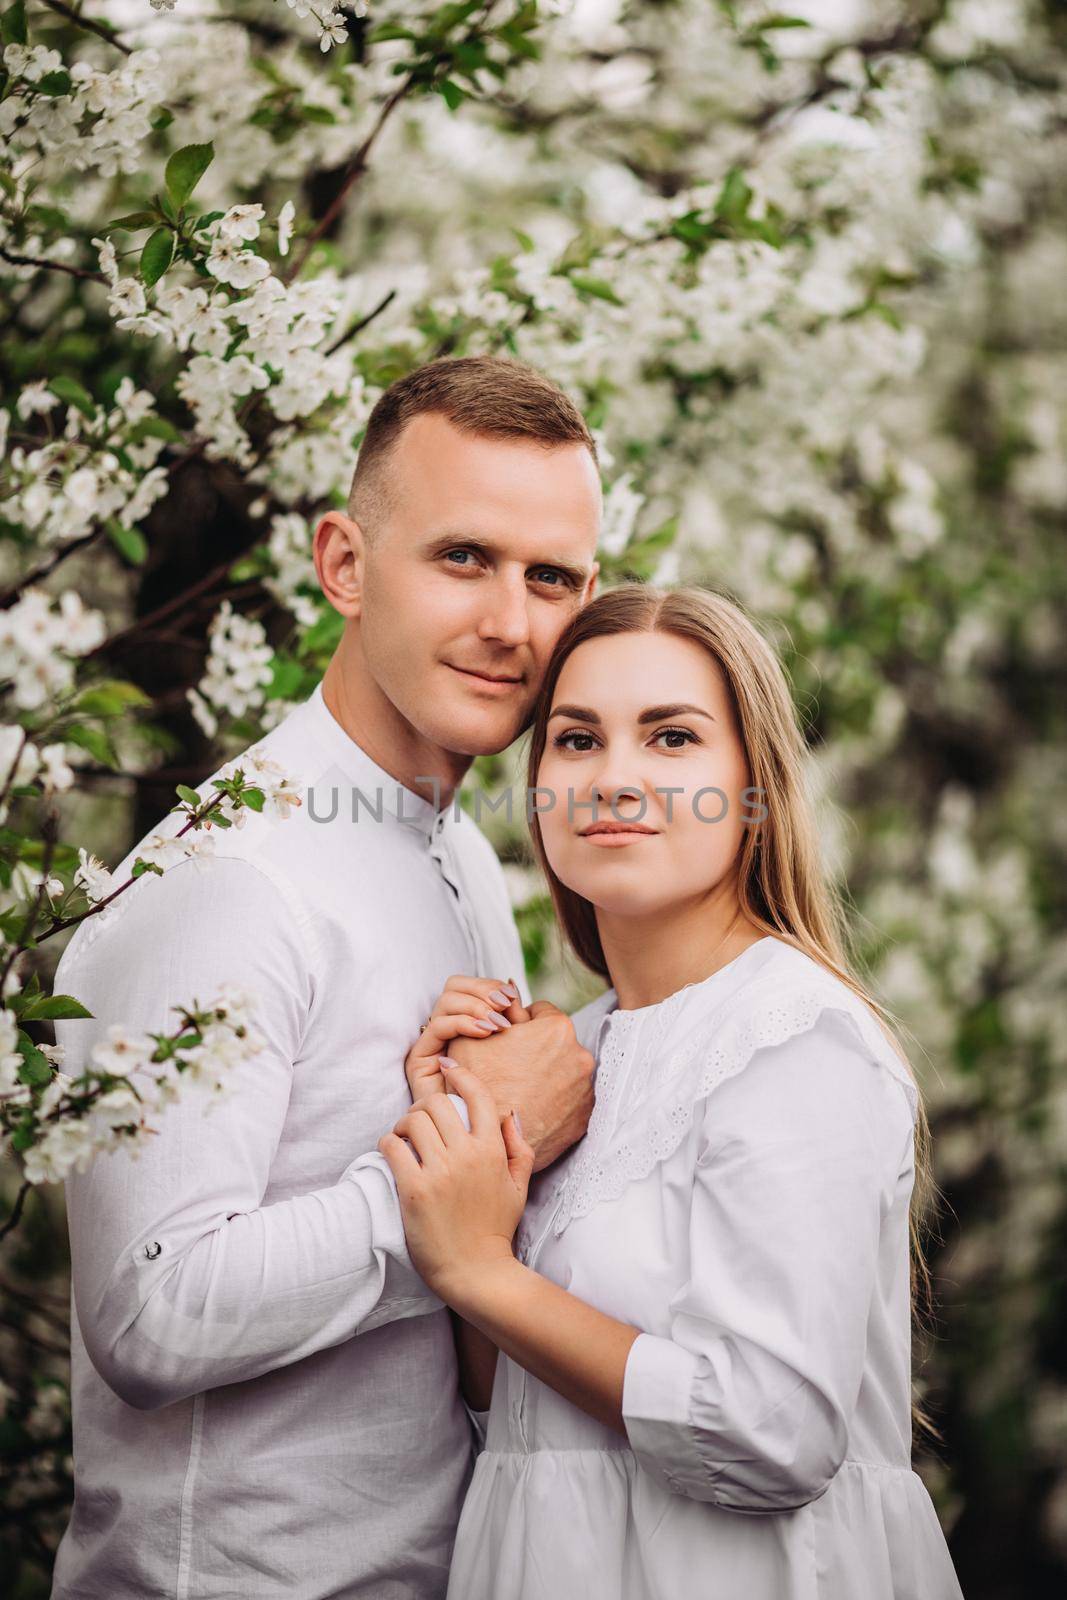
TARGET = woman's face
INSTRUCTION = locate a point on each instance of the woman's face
(634, 716)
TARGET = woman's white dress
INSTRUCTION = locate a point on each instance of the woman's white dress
(742, 1196)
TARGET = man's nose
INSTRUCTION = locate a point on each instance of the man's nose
(506, 616)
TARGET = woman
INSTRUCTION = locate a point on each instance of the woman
(705, 1313)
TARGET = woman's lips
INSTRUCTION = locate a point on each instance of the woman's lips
(616, 838)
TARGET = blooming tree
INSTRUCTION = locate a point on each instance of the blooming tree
(802, 267)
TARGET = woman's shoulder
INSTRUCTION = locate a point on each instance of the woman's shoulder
(786, 995)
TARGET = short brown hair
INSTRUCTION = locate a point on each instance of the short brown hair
(482, 395)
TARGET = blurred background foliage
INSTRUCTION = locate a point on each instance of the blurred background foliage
(804, 269)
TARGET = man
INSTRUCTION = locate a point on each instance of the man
(264, 1391)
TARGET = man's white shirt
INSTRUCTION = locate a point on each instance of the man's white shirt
(264, 1390)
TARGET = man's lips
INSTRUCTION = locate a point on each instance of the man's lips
(485, 677)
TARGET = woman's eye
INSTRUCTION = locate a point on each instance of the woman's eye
(563, 742)
(681, 734)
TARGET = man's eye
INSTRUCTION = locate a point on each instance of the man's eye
(556, 577)
(449, 554)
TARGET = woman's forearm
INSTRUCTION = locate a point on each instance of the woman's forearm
(576, 1350)
(476, 1355)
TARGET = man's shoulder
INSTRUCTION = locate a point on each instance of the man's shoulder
(239, 878)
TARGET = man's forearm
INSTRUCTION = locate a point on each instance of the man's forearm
(185, 1309)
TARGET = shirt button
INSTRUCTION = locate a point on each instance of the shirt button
(153, 1250)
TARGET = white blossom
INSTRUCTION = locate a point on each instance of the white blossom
(92, 876)
(286, 218)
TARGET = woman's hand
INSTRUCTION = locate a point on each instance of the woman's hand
(472, 1008)
(461, 1193)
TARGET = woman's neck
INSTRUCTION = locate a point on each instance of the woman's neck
(650, 957)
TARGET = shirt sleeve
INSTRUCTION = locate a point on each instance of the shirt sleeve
(184, 1277)
(747, 1403)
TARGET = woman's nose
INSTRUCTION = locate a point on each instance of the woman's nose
(618, 794)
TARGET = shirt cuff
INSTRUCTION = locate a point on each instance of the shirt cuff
(657, 1386)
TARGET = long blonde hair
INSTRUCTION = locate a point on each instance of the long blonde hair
(782, 885)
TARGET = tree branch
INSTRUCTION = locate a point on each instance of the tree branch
(354, 171)
(50, 266)
(364, 322)
(16, 1210)
(10, 595)
(101, 29)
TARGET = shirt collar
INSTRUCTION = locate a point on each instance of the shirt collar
(378, 787)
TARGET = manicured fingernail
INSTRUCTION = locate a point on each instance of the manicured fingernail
(517, 1120)
(485, 1025)
(499, 998)
(446, 1063)
(513, 986)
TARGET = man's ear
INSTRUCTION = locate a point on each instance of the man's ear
(587, 592)
(339, 551)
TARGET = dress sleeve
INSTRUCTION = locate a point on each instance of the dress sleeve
(185, 1276)
(747, 1403)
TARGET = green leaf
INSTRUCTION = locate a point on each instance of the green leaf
(132, 220)
(287, 677)
(54, 83)
(780, 20)
(451, 93)
(13, 24)
(162, 119)
(50, 1007)
(49, 217)
(190, 796)
(109, 697)
(96, 742)
(140, 867)
(318, 114)
(70, 390)
(157, 255)
(386, 31)
(36, 1069)
(129, 542)
(598, 288)
(735, 197)
(185, 169)
(254, 799)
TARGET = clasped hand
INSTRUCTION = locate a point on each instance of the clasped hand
(529, 1059)
(461, 1193)
(527, 1084)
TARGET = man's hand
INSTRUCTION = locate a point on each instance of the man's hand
(541, 1071)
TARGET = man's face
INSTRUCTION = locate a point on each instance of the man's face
(486, 551)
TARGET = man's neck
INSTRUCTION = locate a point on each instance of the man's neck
(375, 724)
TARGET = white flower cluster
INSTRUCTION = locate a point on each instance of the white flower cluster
(252, 333)
(281, 793)
(76, 1120)
(100, 125)
(238, 669)
(39, 641)
(21, 761)
(101, 467)
(293, 582)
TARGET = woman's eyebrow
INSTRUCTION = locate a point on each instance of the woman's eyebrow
(653, 714)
